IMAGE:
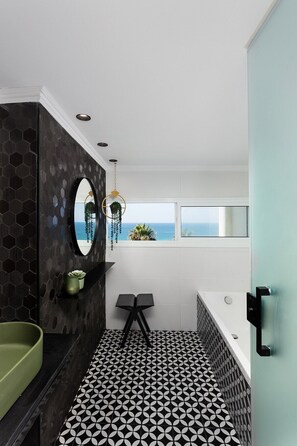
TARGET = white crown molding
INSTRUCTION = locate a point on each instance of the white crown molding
(52, 106)
(21, 94)
(227, 168)
(43, 96)
(262, 22)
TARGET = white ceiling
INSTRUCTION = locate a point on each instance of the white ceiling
(164, 80)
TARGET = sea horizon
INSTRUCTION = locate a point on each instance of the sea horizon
(163, 231)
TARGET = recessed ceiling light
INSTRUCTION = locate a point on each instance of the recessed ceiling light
(83, 117)
(102, 144)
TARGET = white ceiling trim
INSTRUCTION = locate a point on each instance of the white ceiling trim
(15, 95)
(262, 22)
(43, 96)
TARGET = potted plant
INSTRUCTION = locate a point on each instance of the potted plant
(116, 221)
(90, 216)
(80, 276)
(142, 232)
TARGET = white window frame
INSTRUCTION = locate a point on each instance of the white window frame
(189, 242)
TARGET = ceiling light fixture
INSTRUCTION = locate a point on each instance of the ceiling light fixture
(114, 206)
(83, 117)
(102, 144)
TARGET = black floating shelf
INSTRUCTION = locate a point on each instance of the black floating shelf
(91, 278)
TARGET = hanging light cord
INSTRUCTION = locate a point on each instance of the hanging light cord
(115, 176)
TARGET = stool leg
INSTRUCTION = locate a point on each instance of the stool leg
(129, 325)
(143, 331)
(144, 321)
(128, 321)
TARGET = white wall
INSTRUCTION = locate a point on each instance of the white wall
(174, 272)
(158, 184)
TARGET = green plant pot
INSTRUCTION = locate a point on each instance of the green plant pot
(81, 283)
(71, 285)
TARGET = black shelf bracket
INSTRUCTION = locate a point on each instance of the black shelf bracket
(254, 316)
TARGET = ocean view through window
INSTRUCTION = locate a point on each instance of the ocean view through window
(214, 221)
(160, 217)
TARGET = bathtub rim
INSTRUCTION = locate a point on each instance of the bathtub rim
(235, 350)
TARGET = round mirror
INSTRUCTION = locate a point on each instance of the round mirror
(84, 216)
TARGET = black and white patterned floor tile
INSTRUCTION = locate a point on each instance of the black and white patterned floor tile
(163, 396)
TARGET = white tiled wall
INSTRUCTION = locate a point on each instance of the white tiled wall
(173, 275)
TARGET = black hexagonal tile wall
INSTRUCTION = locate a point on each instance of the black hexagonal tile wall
(58, 170)
(18, 123)
(61, 162)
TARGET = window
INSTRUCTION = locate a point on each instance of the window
(160, 217)
(214, 221)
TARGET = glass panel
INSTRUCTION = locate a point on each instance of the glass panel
(273, 142)
(158, 218)
(214, 221)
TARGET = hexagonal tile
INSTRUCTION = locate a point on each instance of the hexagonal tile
(29, 230)
(22, 266)
(33, 266)
(29, 278)
(8, 313)
(4, 207)
(29, 301)
(4, 277)
(3, 300)
(29, 254)
(8, 241)
(16, 182)
(15, 135)
(22, 219)
(16, 159)
(22, 314)
(8, 289)
(29, 159)
(9, 147)
(15, 206)
(29, 182)
(23, 242)
(8, 218)
(4, 135)
(16, 278)
(30, 135)
(4, 159)
(15, 300)
(22, 171)
(8, 171)
(29, 206)
(4, 254)
(10, 123)
(8, 265)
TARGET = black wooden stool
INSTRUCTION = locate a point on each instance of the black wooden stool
(135, 305)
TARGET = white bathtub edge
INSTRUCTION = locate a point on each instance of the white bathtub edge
(240, 358)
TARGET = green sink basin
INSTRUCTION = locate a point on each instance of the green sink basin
(21, 351)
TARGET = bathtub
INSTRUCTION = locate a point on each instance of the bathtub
(221, 316)
(228, 310)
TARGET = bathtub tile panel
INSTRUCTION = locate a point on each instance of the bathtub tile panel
(235, 389)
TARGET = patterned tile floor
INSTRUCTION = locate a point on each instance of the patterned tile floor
(139, 396)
